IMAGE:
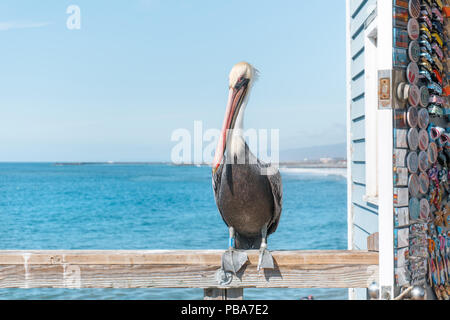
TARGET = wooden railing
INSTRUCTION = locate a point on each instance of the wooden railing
(184, 269)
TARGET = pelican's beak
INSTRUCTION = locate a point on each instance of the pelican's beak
(236, 96)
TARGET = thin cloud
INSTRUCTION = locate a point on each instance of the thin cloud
(11, 25)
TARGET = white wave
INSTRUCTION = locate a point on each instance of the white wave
(317, 171)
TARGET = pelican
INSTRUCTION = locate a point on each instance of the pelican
(248, 198)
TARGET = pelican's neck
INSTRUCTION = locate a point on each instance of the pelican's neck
(236, 141)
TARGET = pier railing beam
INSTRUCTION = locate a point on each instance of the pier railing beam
(184, 269)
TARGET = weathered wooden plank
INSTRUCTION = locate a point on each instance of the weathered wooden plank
(169, 276)
(178, 257)
(182, 269)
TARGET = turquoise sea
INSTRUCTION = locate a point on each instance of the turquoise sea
(45, 206)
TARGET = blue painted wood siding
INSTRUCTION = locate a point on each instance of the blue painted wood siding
(365, 215)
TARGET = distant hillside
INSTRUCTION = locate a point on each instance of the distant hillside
(314, 153)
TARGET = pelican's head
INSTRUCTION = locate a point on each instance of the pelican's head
(240, 73)
(241, 80)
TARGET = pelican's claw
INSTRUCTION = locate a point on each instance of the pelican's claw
(265, 260)
(233, 260)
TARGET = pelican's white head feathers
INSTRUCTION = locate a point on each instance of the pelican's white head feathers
(242, 70)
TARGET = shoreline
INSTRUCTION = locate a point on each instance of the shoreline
(312, 165)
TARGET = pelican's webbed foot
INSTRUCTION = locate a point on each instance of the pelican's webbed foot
(233, 260)
(265, 258)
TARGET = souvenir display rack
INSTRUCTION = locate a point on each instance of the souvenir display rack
(421, 146)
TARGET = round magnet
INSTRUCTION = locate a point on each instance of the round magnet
(400, 91)
(424, 208)
(412, 117)
(424, 96)
(413, 185)
(423, 161)
(412, 162)
(414, 8)
(413, 139)
(432, 153)
(414, 95)
(424, 183)
(423, 139)
(414, 51)
(423, 118)
(414, 208)
(413, 29)
(412, 72)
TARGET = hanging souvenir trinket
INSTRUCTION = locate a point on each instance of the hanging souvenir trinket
(400, 157)
(400, 57)
(400, 176)
(423, 161)
(414, 8)
(413, 139)
(401, 237)
(414, 209)
(424, 209)
(414, 51)
(432, 153)
(424, 183)
(423, 139)
(401, 217)
(412, 162)
(400, 37)
(414, 92)
(400, 16)
(412, 73)
(413, 185)
(423, 73)
(412, 117)
(400, 138)
(424, 96)
(400, 197)
(400, 120)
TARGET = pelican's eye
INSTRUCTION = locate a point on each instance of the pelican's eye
(241, 82)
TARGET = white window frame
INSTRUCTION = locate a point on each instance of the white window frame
(371, 111)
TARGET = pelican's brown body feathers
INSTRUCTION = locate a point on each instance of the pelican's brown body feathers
(247, 199)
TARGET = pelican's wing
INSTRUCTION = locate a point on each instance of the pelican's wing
(277, 192)
(216, 184)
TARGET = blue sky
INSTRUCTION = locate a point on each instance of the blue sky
(137, 70)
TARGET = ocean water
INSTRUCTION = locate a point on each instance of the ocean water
(43, 206)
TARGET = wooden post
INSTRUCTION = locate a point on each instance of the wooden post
(223, 294)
